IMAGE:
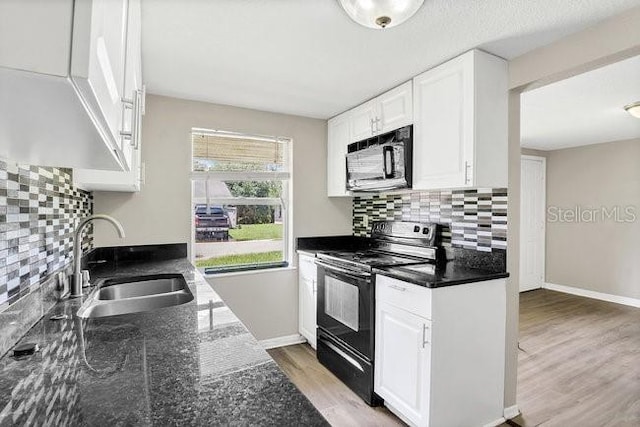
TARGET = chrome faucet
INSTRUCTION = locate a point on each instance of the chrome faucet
(78, 279)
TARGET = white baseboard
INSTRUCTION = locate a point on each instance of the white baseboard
(496, 422)
(282, 341)
(633, 302)
(511, 412)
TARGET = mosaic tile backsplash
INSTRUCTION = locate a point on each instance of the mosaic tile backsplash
(470, 218)
(39, 208)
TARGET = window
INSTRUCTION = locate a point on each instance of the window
(240, 199)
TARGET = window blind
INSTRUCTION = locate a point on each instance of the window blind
(268, 154)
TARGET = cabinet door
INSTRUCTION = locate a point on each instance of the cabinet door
(98, 64)
(338, 138)
(131, 180)
(443, 125)
(403, 356)
(362, 121)
(307, 299)
(132, 113)
(395, 108)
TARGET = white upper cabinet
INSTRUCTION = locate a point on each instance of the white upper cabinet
(67, 109)
(338, 131)
(387, 112)
(362, 120)
(395, 108)
(98, 57)
(460, 123)
(130, 136)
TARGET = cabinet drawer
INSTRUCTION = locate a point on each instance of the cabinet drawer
(412, 298)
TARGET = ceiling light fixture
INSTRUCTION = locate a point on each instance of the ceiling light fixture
(633, 109)
(380, 14)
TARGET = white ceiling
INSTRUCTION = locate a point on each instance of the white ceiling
(306, 57)
(582, 110)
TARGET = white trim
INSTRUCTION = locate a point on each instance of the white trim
(240, 176)
(511, 412)
(237, 201)
(399, 414)
(249, 272)
(495, 423)
(632, 302)
(543, 160)
(282, 341)
(228, 134)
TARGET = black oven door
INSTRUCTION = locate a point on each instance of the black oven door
(345, 306)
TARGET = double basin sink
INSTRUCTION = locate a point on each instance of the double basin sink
(135, 294)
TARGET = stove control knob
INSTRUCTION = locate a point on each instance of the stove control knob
(416, 228)
(425, 230)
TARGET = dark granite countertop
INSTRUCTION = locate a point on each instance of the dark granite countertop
(430, 276)
(193, 364)
(313, 245)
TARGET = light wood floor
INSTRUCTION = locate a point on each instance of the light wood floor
(579, 365)
(339, 405)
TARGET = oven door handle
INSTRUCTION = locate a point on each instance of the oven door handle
(330, 267)
(344, 355)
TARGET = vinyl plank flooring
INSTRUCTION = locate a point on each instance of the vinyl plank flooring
(579, 366)
(579, 363)
(335, 401)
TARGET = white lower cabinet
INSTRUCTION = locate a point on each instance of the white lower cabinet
(403, 362)
(307, 292)
(439, 353)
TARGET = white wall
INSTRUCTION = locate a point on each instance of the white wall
(161, 212)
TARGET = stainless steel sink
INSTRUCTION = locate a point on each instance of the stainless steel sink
(140, 288)
(136, 294)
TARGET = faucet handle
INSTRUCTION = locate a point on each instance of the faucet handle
(85, 278)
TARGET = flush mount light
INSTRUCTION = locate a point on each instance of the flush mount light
(380, 13)
(633, 109)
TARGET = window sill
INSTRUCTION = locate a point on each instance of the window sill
(250, 272)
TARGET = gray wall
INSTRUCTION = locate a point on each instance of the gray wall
(161, 212)
(594, 253)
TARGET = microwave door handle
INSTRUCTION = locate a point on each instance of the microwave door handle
(389, 162)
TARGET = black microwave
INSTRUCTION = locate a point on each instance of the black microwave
(382, 162)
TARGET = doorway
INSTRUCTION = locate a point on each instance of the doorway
(532, 222)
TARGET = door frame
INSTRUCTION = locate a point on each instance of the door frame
(543, 161)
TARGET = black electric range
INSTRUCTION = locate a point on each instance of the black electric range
(346, 298)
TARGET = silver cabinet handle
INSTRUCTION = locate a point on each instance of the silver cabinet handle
(425, 341)
(398, 288)
(138, 116)
(133, 105)
(371, 126)
(467, 178)
(378, 126)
